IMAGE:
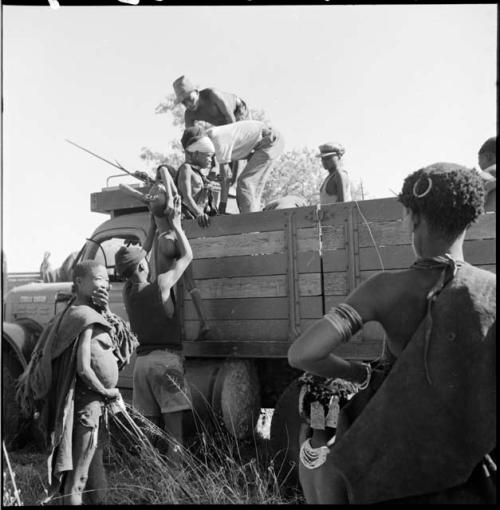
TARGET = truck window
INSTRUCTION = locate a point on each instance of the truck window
(103, 251)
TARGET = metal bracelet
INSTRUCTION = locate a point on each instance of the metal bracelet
(366, 382)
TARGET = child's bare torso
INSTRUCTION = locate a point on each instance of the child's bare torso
(102, 359)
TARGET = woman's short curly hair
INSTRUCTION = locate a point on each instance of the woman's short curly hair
(449, 196)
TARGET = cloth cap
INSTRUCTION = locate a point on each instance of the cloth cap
(329, 148)
(203, 144)
(182, 88)
(127, 258)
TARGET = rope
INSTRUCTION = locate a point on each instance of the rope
(321, 227)
(371, 236)
(449, 269)
(320, 252)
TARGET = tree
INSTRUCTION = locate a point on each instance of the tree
(153, 159)
(297, 172)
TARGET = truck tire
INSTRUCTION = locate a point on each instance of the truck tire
(11, 411)
(288, 431)
(237, 397)
(224, 393)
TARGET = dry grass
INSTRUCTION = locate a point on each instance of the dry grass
(216, 469)
(30, 475)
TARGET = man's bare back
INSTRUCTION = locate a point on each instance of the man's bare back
(211, 106)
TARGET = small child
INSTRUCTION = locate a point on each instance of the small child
(159, 199)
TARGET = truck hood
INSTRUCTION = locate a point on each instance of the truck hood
(35, 300)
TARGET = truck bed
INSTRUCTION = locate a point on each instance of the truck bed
(266, 276)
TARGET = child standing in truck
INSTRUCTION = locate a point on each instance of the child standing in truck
(193, 182)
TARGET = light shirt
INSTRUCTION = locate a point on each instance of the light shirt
(235, 141)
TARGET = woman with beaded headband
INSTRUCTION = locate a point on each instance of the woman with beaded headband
(424, 429)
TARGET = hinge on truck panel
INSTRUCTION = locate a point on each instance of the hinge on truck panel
(351, 241)
(320, 214)
(357, 276)
(293, 277)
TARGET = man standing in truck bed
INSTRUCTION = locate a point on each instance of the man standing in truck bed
(336, 187)
(159, 390)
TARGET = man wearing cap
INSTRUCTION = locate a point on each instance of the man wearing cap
(210, 105)
(254, 141)
(336, 187)
(159, 392)
(487, 161)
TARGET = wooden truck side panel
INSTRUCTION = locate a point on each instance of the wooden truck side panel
(264, 277)
(260, 277)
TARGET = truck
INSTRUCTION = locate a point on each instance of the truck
(264, 277)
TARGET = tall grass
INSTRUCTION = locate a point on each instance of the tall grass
(216, 468)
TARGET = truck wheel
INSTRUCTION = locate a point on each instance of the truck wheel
(288, 431)
(222, 391)
(237, 397)
(11, 411)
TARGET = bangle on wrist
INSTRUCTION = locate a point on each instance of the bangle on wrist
(366, 382)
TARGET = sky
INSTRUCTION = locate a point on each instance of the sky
(399, 86)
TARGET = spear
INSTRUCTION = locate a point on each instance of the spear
(137, 175)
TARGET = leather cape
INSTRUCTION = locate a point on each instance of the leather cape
(49, 382)
(416, 436)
